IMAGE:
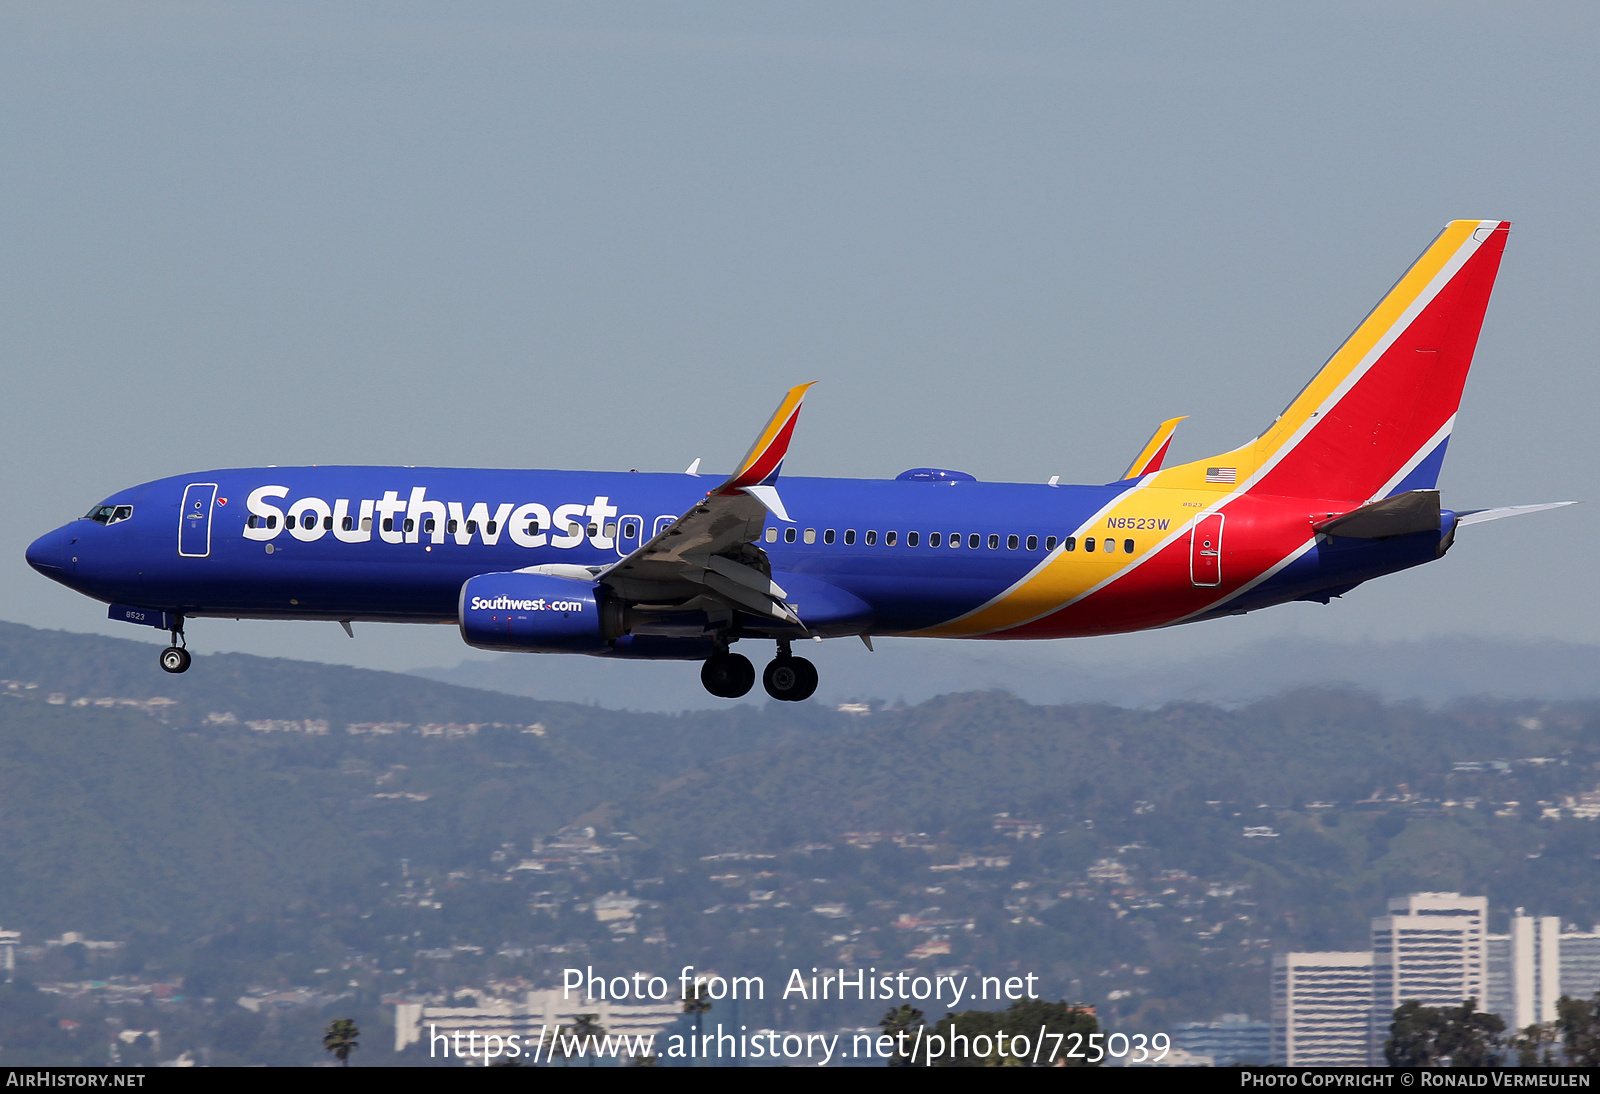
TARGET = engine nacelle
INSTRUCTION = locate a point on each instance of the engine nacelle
(538, 612)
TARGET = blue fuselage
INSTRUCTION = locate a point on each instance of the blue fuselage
(397, 544)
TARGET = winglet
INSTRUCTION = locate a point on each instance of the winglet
(760, 465)
(1155, 450)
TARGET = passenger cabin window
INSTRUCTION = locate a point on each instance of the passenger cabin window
(911, 539)
(974, 540)
(1070, 544)
(1088, 544)
(827, 537)
(250, 521)
(994, 543)
(933, 539)
(630, 530)
(427, 526)
(772, 535)
(451, 526)
(788, 535)
(811, 535)
(1049, 543)
(889, 538)
(872, 537)
(327, 523)
(288, 521)
(388, 523)
(489, 528)
(593, 530)
(349, 523)
(366, 524)
(849, 537)
(1033, 543)
(410, 524)
(955, 539)
(611, 531)
(272, 522)
(472, 527)
(1111, 546)
(1011, 543)
(1127, 546)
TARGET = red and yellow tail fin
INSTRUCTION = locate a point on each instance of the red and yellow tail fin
(1155, 450)
(1376, 419)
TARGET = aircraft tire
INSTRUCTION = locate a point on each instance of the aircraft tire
(790, 679)
(728, 675)
(175, 659)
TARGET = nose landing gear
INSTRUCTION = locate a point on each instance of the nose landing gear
(175, 658)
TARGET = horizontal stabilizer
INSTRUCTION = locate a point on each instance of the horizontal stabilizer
(1478, 516)
(1413, 511)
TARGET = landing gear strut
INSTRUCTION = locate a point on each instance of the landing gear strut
(175, 658)
(789, 678)
(728, 675)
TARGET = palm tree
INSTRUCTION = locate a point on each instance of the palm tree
(903, 1019)
(340, 1039)
(585, 1026)
(697, 1006)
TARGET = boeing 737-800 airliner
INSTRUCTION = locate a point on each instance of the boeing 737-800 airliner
(1340, 489)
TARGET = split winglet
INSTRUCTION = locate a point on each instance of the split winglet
(759, 468)
(1155, 450)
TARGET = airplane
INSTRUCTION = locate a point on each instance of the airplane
(1341, 488)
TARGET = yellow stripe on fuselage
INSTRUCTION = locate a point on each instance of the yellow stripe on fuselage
(1067, 576)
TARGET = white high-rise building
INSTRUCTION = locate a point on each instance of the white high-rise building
(1321, 1009)
(1430, 947)
(1580, 963)
(1535, 969)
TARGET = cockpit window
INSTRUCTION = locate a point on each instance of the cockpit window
(109, 514)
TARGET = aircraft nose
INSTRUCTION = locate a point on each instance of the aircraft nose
(50, 554)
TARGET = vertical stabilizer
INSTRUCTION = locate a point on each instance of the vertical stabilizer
(1376, 419)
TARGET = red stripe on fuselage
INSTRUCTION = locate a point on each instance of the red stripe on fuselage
(1260, 533)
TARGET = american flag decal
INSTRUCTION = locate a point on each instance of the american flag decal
(1222, 474)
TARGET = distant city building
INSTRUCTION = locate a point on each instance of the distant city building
(1321, 1009)
(8, 951)
(1497, 988)
(546, 1009)
(1579, 962)
(1430, 947)
(1535, 969)
(1231, 1039)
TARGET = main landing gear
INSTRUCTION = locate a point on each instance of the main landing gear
(175, 658)
(787, 678)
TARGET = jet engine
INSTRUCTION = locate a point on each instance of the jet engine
(538, 612)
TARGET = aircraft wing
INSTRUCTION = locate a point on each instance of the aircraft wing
(710, 552)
